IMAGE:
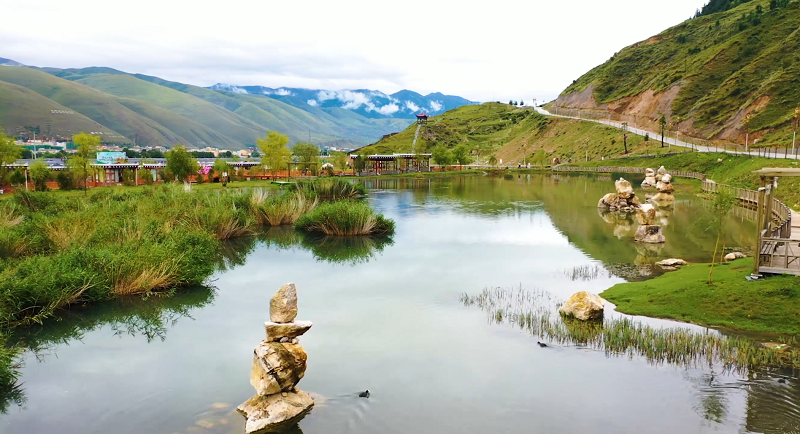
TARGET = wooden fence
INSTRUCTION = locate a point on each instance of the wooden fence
(637, 170)
(781, 226)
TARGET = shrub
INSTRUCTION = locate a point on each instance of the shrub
(65, 180)
(147, 177)
(331, 189)
(347, 217)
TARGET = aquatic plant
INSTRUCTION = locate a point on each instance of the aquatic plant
(536, 312)
(346, 217)
(331, 188)
(584, 272)
(282, 209)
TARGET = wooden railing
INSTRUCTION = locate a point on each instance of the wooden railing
(637, 170)
(781, 226)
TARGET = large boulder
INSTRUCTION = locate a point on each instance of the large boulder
(277, 367)
(672, 262)
(649, 234)
(584, 306)
(273, 413)
(734, 256)
(276, 331)
(283, 305)
(624, 188)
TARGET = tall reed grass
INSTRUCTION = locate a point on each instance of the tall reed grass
(345, 218)
(536, 313)
(331, 189)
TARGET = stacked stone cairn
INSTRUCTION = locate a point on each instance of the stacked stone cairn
(649, 178)
(623, 200)
(665, 190)
(648, 231)
(279, 363)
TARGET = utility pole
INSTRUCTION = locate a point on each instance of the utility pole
(794, 135)
(747, 134)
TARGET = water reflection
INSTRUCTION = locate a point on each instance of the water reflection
(350, 250)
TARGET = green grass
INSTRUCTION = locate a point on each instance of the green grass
(722, 63)
(344, 218)
(732, 170)
(771, 305)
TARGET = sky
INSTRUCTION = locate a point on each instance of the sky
(484, 51)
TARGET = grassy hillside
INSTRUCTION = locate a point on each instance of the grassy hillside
(23, 107)
(514, 135)
(97, 106)
(711, 71)
(152, 111)
(224, 122)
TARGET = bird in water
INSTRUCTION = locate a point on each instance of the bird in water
(364, 394)
(541, 344)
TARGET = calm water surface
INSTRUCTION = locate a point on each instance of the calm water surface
(387, 318)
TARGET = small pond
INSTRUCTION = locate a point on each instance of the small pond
(387, 318)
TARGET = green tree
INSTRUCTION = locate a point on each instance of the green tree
(147, 176)
(9, 154)
(180, 163)
(274, 152)
(359, 164)
(307, 154)
(339, 160)
(86, 145)
(40, 174)
(723, 203)
(540, 158)
(442, 156)
(65, 180)
(17, 177)
(461, 155)
(492, 160)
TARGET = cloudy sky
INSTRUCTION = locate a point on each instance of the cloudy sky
(495, 50)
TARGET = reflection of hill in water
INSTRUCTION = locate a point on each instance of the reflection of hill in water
(571, 203)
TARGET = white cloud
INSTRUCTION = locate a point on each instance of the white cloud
(284, 92)
(436, 106)
(312, 103)
(154, 44)
(411, 106)
(388, 109)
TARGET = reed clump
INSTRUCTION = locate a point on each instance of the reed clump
(331, 189)
(345, 218)
(536, 313)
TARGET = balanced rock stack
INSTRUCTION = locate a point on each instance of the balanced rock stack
(648, 231)
(660, 173)
(623, 200)
(279, 363)
(649, 178)
(665, 189)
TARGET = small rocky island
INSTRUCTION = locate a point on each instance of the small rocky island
(279, 363)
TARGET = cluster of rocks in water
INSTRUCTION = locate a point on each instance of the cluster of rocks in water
(279, 363)
(625, 201)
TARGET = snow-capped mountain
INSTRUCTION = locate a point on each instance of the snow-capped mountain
(369, 103)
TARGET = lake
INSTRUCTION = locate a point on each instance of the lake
(387, 318)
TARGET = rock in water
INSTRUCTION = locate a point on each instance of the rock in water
(624, 188)
(649, 178)
(277, 367)
(660, 173)
(649, 234)
(283, 305)
(583, 306)
(276, 331)
(271, 413)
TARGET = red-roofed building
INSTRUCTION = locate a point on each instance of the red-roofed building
(422, 118)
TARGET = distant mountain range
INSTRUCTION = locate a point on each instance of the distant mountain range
(127, 108)
(368, 103)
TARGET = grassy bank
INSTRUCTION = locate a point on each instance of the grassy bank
(733, 170)
(770, 305)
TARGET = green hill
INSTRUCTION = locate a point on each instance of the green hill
(707, 74)
(513, 135)
(23, 107)
(151, 111)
